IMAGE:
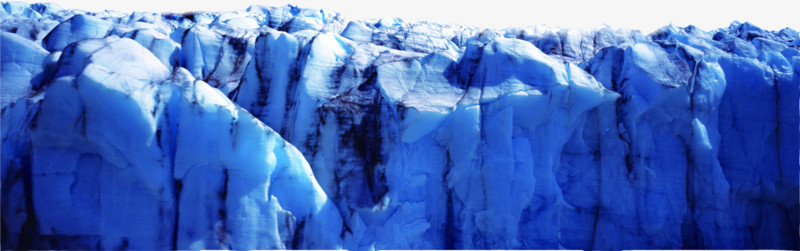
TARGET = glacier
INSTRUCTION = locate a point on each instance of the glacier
(297, 128)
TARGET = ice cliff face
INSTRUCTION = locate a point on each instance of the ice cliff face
(296, 128)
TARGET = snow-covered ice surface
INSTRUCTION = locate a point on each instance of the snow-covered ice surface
(284, 127)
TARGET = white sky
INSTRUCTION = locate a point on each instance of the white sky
(642, 15)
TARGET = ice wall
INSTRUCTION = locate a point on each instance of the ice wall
(166, 131)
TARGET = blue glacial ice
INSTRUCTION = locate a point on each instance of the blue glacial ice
(296, 128)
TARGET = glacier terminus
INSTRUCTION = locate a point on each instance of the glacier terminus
(298, 128)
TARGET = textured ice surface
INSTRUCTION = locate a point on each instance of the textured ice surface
(284, 127)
